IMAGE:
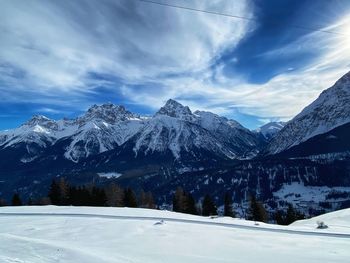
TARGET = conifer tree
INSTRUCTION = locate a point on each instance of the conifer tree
(16, 200)
(179, 200)
(64, 191)
(150, 201)
(279, 218)
(190, 205)
(146, 200)
(98, 197)
(208, 206)
(54, 193)
(130, 199)
(228, 210)
(184, 202)
(257, 211)
(142, 199)
(114, 195)
(2, 202)
(291, 215)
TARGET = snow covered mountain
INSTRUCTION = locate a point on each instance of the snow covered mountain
(329, 111)
(174, 128)
(99, 130)
(269, 130)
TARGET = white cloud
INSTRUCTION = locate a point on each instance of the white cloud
(282, 97)
(56, 44)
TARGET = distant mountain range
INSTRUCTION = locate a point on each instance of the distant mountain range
(174, 130)
(108, 139)
(269, 130)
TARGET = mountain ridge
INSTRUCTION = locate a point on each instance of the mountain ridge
(104, 127)
(329, 111)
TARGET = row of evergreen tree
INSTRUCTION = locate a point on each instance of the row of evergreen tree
(184, 202)
(62, 193)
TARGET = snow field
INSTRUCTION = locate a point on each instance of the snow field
(48, 237)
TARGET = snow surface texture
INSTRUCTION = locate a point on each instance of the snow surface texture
(307, 197)
(88, 234)
(174, 127)
(330, 110)
(110, 175)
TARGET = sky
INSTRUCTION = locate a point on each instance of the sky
(57, 58)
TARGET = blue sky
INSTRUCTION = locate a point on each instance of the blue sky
(57, 58)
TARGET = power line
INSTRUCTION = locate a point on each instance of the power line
(235, 16)
(197, 10)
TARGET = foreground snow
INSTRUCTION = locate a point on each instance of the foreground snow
(88, 234)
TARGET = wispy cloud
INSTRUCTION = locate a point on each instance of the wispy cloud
(56, 44)
(281, 98)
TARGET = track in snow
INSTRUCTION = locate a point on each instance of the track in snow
(187, 221)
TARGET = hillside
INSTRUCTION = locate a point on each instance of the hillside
(81, 234)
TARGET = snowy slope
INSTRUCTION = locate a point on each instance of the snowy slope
(38, 130)
(230, 132)
(81, 234)
(101, 129)
(330, 110)
(337, 221)
(176, 128)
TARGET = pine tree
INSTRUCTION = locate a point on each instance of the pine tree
(228, 210)
(3, 202)
(190, 205)
(208, 206)
(279, 218)
(257, 211)
(54, 193)
(130, 199)
(16, 200)
(179, 200)
(143, 200)
(98, 197)
(114, 195)
(291, 215)
(64, 191)
(84, 196)
(150, 201)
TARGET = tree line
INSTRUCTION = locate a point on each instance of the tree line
(61, 193)
(184, 202)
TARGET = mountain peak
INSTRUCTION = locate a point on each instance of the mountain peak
(329, 111)
(37, 119)
(345, 77)
(174, 109)
(269, 130)
(105, 106)
(108, 112)
(42, 121)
